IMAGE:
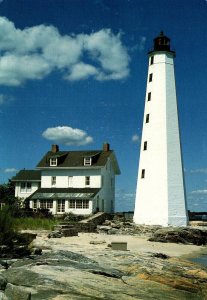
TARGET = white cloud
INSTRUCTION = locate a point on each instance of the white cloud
(82, 71)
(199, 192)
(10, 170)
(67, 136)
(34, 52)
(141, 45)
(135, 138)
(204, 170)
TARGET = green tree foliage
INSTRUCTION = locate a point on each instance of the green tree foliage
(7, 193)
(7, 231)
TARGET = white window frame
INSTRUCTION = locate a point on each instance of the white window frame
(53, 162)
(60, 205)
(26, 188)
(87, 161)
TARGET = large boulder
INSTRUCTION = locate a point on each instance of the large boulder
(180, 235)
(17, 292)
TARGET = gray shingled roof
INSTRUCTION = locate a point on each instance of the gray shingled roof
(27, 175)
(64, 193)
(75, 159)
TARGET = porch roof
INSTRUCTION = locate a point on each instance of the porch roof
(64, 193)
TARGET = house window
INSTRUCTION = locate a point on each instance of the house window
(147, 118)
(72, 204)
(149, 96)
(23, 187)
(79, 204)
(34, 204)
(29, 187)
(151, 60)
(87, 180)
(70, 181)
(53, 162)
(85, 204)
(46, 204)
(26, 187)
(87, 161)
(143, 173)
(150, 77)
(145, 145)
(61, 206)
(53, 180)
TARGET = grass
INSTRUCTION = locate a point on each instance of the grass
(34, 223)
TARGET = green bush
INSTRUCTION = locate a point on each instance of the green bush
(7, 228)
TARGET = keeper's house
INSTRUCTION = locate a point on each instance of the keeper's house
(81, 182)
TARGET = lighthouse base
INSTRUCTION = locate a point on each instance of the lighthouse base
(175, 221)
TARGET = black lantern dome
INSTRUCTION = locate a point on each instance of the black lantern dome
(161, 43)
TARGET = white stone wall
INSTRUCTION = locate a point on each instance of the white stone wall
(162, 159)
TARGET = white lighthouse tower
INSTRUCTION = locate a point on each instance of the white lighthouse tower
(160, 195)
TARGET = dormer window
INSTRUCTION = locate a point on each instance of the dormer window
(87, 161)
(53, 162)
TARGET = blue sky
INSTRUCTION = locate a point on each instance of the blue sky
(73, 72)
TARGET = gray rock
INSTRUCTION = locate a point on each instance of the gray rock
(2, 296)
(181, 235)
(3, 282)
(55, 234)
(14, 292)
(97, 242)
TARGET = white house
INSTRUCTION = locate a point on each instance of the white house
(81, 182)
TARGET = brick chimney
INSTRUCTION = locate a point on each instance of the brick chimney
(106, 147)
(55, 148)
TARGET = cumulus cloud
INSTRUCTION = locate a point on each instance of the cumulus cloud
(203, 170)
(135, 138)
(10, 170)
(34, 52)
(67, 136)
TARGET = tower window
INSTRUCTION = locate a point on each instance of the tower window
(151, 60)
(147, 118)
(150, 77)
(143, 173)
(145, 146)
(149, 96)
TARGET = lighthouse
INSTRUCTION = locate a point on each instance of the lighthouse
(160, 196)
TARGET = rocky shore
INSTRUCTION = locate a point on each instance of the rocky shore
(114, 260)
(86, 267)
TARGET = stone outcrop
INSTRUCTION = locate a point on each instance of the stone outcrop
(180, 235)
(18, 247)
(102, 273)
(63, 230)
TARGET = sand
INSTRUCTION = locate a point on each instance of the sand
(81, 243)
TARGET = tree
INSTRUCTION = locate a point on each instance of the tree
(7, 193)
(7, 196)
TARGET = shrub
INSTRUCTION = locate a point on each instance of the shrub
(7, 231)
